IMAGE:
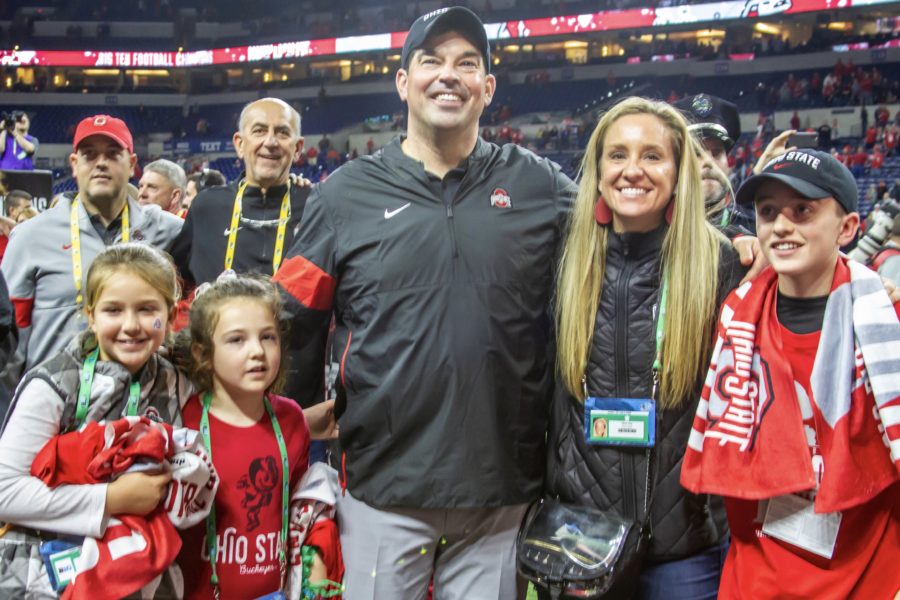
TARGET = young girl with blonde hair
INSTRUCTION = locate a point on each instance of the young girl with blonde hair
(109, 371)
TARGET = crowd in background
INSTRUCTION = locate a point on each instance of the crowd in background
(670, 344)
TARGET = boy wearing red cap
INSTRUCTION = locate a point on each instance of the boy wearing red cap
(48, 256)
(799, 423)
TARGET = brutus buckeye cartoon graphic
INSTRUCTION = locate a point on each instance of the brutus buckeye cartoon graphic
(259, 483)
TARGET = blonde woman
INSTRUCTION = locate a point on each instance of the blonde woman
(639, 221)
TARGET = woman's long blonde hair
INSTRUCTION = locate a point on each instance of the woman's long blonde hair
(690, 259)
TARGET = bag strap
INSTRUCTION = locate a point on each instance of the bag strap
(649, 478)
(660, 315)
(882, 255)
(640, 515)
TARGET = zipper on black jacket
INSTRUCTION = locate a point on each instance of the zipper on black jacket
(629, 489)
(621, 320)
(268, 250)
(344, 356)
(453, 244)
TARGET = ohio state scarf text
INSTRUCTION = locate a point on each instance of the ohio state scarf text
(748, 439)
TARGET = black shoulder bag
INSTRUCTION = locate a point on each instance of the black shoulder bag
(582, 552)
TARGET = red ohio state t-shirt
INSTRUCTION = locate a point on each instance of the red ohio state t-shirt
(248, 502)
(866, 555)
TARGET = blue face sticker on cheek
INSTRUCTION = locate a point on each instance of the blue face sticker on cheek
(157, 324)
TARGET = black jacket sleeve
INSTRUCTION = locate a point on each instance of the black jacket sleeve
(307, 279)
(731, 271)
(181, 251)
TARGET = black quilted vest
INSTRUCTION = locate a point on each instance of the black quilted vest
(620, 365)
(161, 386)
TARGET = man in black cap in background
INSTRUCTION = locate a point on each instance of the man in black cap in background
(717, 125)
(437, 256)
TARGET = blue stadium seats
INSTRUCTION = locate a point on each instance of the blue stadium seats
(334, 112)
(56, 124)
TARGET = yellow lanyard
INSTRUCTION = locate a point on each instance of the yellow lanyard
(283, 217)
(75, 239)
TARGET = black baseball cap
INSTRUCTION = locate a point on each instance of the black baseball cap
(711, 117)
(455, 18)
(811, 173)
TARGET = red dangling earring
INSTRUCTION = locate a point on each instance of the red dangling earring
(602, 212)
(670, 211)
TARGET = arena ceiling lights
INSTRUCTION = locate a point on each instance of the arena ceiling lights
(510, 30)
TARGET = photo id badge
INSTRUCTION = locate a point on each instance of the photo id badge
(792, 519)
(620, 421)
(59, 557)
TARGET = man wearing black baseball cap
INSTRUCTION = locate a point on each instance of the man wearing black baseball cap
(456, 18)
(806, 209)
(712, 118)
(436, 256)
(446, 82)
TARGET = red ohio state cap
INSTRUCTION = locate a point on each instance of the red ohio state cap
(111, 127)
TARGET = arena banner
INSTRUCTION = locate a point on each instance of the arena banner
(198, 146)
(866, 46)
(37, 183)
(634, 18)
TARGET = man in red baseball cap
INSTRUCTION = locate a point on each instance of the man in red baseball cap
(102, 161)
(48, 257)
(107, 126)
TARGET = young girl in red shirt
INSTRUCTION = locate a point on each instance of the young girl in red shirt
(259, 443)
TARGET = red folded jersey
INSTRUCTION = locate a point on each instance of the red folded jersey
(134, 550)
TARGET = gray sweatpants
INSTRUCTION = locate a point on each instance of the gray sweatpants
(394, 552)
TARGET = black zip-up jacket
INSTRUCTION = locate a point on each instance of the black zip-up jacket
(620, 365)
(440, 292)
(199, 250)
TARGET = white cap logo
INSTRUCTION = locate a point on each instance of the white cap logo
(99, 121)
(435, 13)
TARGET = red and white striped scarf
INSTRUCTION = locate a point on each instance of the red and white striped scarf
(748, 439)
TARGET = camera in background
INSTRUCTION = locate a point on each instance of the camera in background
(11, 118)
(880, 224)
